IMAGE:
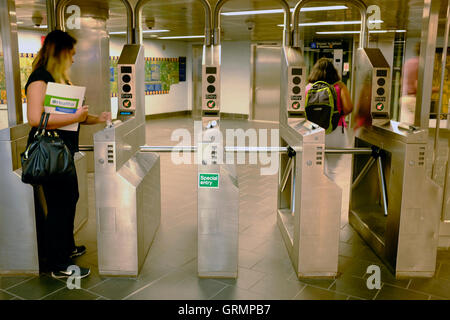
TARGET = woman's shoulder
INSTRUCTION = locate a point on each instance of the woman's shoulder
(39, 74)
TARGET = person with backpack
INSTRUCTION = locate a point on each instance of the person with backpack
(327, 103)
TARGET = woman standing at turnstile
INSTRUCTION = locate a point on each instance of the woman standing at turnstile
(52, 64)
(324, 71)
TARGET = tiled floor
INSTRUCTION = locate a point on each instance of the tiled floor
(265, 270)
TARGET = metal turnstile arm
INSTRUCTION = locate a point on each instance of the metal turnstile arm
(382, 184)
(363, 172)
(287, 173)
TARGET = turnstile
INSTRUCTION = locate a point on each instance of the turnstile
(393, 205)
(218, 189)
(18, 217)
(406, 239)
(443, 170)
(127, 181)
(309, 203)
(218, 212)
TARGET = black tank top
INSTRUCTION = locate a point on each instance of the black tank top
(70, 138)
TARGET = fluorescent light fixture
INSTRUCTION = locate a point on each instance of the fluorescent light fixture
(44, 26)
(182, 37)
(155, 31)
(332, 23)
(252, 12)
(145, 31)
(356, 32)
(19, 22)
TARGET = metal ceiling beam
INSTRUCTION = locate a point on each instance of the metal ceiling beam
(287, 21)
(138, 20)
(363, 36)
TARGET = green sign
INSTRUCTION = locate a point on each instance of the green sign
(211, 104)
(208, 180)
(380, 106)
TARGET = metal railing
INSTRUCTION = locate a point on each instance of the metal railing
(162, 149)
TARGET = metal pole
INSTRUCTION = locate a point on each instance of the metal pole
(130, 35)
(8, 30)
(51, 16)
(256, 149)
(60, 7)
(363, 172)
(383, 191)
(168, 149)
(287, 173)
(349, 151)
(237, 149)
(441, 89)
(60, 21)
(426, 62)
(85, 148)
(363, 36)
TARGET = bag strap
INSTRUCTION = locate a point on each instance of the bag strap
(40, 124)
(47, 115)
(41, 129)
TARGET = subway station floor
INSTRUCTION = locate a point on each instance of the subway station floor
(265, 270)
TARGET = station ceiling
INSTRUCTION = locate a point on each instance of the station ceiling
(186, 18)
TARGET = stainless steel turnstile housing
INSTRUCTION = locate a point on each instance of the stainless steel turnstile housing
(406, 239)
(127, 181)
(309, 203)
(18, 237)
(393, 205)
(218, 206)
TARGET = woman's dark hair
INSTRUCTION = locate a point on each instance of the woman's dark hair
(57, 45)
(324, 70)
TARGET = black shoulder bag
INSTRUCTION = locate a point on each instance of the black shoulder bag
(46, 158)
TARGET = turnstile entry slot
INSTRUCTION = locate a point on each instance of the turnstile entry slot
(210, 113)
(296, 114)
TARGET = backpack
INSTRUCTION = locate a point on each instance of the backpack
(321, 106)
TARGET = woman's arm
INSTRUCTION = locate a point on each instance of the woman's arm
(93, 119)
(347, 105)
(35, 106)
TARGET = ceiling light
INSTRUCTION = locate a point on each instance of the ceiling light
(41, 27)
(155, 31)
(182, 37)
(145, 31)
(332, 23)
(19, 22)
(250, 12)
